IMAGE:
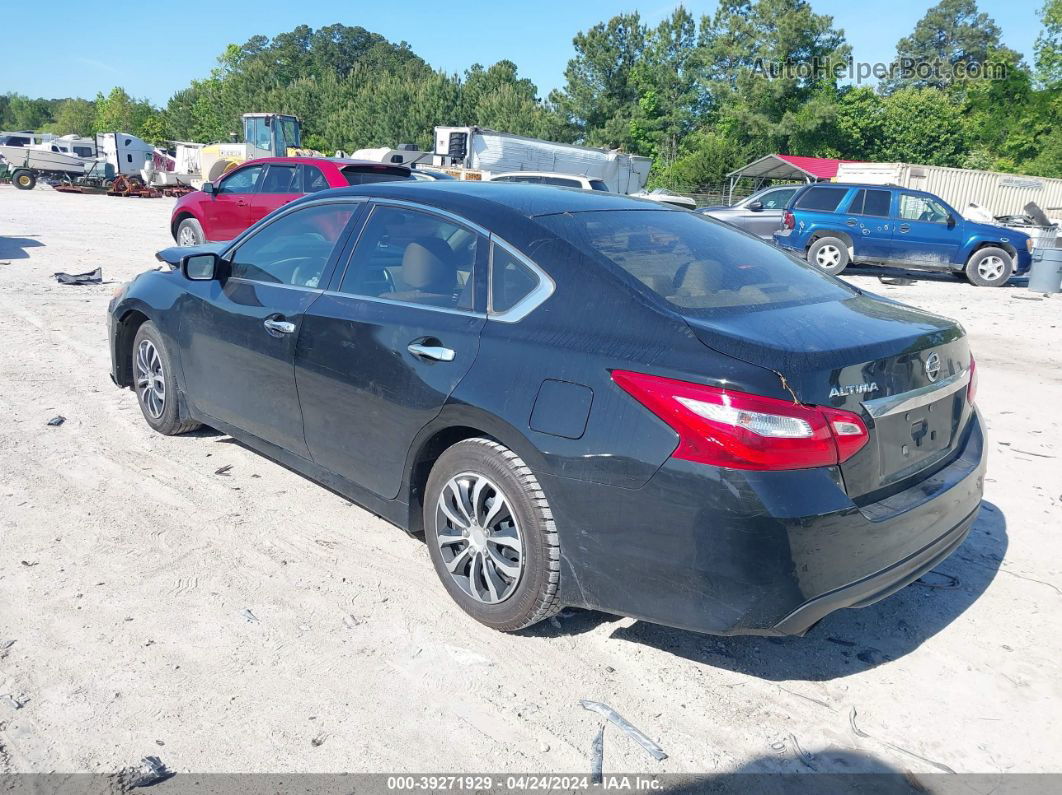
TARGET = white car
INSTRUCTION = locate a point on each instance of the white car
(550, 178)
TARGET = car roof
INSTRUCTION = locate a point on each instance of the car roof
(477, 200)
(874, 186)
(338, 162)
(539, 174)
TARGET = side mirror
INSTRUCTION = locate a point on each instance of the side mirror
(208, 187)
(951, 221)
(201, 267)
(756, 207)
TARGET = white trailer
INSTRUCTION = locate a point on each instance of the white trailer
(478, 153)
(1000, 194)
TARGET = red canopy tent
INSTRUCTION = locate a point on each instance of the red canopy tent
(793, 168)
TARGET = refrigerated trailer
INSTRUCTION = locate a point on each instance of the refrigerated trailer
(478, 153)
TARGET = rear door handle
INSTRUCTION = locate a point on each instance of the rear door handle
(279, 326)
(435, 352)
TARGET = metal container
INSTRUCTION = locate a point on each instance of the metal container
(1045, 275)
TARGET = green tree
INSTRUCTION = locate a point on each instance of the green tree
(1048, 45)
(952, 38)
(76, 116)
(24, 113)
(921, 125)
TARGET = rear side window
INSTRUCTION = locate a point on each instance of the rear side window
(280, 179)
(821, 199)
(698, 265)
(871, 202)
(596, 184)
(561, 182)
(510, 281)
(313, 179)
(368, 175)
(413, 257)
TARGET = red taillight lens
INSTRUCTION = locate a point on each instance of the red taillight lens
(743, 431)
(788, 221)
(971, 389)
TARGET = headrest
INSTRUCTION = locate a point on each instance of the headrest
(427, 265)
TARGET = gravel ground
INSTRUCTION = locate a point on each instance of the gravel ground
(254, 621)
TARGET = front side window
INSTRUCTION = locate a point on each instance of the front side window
(921, 208)
(821, 199)
(777, 199)
(698, 265)
(241, 181)
(295, 248)
(414, 257)
(280, 179)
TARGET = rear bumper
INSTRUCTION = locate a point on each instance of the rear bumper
(769, 553)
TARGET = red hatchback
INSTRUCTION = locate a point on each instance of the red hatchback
(254, 189)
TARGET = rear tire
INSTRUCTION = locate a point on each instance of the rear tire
(155, 383)
(989, 267)
(189, 233)
(505, 560)
(829, 254)
(24, 180)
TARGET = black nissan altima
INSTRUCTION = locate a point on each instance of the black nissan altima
(578, 398)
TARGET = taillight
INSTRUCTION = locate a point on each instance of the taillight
(743, 431)
(971, 389)
(788, 221)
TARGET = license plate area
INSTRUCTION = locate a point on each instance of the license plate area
(912, 440)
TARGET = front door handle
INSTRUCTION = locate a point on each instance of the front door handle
(279, 326)
(436, 352)
(904, 228)
(851, 222)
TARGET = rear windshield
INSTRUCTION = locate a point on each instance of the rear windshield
(697, 264)
(366, 175)
(825, 199)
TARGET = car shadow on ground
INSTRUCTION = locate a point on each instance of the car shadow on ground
(844, 643)
(910, 276)
(12, 248)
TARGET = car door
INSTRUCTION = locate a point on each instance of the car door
(239, 332)
(767, 220)
(228, 211)
(925, 231)
(868, 221)
(281, 184)
(380, 353)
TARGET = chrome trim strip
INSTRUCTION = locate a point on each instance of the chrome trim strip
(392, 302)
(529, 302)
(916, 398)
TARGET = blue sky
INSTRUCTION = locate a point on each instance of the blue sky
(98, 50)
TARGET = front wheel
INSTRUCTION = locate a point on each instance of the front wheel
(829, 254)
(190, 233)
(156, 384)
(491, 536)
(24, 180)
(989, 267)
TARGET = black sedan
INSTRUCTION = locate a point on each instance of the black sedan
(577, 398)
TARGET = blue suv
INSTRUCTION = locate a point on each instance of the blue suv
(832, 225)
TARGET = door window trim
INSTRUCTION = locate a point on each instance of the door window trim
(530, 302)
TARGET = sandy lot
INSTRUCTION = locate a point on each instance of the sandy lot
(257, 622)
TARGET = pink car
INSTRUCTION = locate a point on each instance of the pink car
(254, 189)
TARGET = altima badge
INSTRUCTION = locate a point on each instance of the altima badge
(932, 367)
(854, 389)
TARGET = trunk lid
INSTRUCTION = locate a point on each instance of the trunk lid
(901, 369)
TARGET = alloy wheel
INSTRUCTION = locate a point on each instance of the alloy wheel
(479, 538)
(186, 237)
(991, 268)
(150, 379)
(828, 256)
